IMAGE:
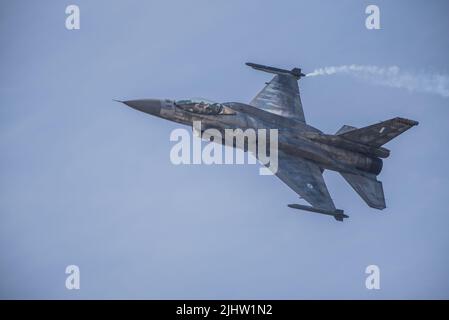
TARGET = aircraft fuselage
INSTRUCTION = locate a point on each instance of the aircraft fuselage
(295, 137)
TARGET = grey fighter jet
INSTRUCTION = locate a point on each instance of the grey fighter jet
(303, 151)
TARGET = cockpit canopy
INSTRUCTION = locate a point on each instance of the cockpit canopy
(201, 106)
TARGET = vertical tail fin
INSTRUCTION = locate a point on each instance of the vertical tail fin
(377, 134)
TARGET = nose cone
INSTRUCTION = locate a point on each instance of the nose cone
(151, 106)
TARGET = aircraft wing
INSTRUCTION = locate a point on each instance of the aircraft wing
(306, 179)
(281, 95)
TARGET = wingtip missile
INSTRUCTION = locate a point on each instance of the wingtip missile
(296, 72)
(337, 214)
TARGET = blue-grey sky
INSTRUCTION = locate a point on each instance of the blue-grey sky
(87, 181)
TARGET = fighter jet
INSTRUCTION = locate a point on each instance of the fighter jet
(304, 152)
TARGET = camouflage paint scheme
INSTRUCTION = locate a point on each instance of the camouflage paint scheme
(304, 151)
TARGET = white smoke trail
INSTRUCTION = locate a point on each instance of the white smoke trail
(392, 77)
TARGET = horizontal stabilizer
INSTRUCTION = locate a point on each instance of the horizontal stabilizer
(281, 95)
(380, 133)
(369, 189)
(337, 213)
